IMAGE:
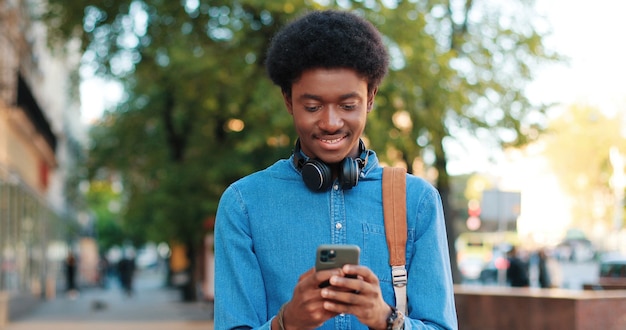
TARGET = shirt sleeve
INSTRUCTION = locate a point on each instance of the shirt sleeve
(239, 289)
(430, 290)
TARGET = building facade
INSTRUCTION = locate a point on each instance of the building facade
(40, 148)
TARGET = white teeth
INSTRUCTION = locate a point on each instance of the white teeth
(332, 141)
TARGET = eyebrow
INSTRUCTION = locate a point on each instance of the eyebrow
(306, 96)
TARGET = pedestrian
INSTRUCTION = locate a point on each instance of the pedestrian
(71, 265)
(543, 266)
(103, 271)
(517, 271)
(328, 65)
(126, 271)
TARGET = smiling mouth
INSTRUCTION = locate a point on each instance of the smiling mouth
(332, 141)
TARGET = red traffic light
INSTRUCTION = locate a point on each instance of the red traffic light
(473, 208)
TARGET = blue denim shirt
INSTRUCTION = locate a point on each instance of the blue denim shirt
(269, 225)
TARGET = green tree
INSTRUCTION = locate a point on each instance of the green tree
(461, 66)
(578, 149)
(199, 112)
(105, 202)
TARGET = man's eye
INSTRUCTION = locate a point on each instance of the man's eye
(312, 108)
(348, 106)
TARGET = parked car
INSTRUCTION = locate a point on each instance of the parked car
(613, 272)
(489, 273)
(470, 268)
(612, 275)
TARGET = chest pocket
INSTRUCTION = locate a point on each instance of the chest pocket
(375, 252)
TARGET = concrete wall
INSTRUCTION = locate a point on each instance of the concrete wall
(486, 308)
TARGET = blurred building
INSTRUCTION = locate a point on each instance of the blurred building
(40, 145)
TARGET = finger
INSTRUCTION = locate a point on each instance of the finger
(367, 308)
(312, 278)
(361, 271)
(346, 281)
(322, 277)
(339, 302)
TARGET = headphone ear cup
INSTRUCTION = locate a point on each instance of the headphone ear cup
(316, 175)
(349, 174)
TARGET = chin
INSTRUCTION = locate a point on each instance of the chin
(332, 160)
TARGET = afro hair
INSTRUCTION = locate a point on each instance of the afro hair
(327, 39)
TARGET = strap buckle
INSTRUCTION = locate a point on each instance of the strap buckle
(399, 276)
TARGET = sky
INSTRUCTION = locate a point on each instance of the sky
(96, 95)
(590, 34)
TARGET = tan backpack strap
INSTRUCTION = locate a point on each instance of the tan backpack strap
(394, 211)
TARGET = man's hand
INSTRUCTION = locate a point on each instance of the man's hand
(306, 309)
(359, 296)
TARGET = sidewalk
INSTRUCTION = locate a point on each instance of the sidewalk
(151, 307)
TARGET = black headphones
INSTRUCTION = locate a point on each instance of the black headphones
(318, 176)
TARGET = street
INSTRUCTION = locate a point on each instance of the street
(151, 307)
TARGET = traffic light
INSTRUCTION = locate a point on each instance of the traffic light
(473, 210)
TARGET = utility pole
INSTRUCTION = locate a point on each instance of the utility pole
(618, 182)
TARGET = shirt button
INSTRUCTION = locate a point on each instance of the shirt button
(338, 225)
(336, 187)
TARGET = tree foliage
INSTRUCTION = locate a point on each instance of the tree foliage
(199, 112)
(578, 149)
(105, 204)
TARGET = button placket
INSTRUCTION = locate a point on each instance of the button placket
(338, 223)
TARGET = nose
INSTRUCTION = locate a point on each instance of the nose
(331, 119)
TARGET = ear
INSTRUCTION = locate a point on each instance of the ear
(288, 103)
(370, 99)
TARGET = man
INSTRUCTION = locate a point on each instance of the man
(517, 272)
(328, 65)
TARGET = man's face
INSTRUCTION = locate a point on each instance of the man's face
(329, 109)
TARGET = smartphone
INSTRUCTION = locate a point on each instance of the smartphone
(331, 256)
